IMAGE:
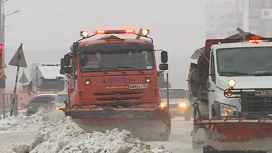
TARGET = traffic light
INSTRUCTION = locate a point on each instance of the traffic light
(1, 50)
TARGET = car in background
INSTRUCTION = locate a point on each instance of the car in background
(179, 103)
(38, 101)
(61, 100)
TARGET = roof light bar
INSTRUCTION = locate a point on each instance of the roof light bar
(127, 31)
(255, 40)
(84, 34)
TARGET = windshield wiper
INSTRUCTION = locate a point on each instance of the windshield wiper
(114, 68)
(127, 67)
(263, 74)
(231, 73)
(96, 69)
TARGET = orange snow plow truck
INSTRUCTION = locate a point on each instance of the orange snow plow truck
(113, 84)
(233, 87)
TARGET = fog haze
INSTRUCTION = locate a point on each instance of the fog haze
(48, 28)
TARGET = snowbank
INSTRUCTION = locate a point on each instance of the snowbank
(58, 133)
(35, 122)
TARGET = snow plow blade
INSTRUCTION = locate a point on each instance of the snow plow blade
(237, 136)
(146, 124)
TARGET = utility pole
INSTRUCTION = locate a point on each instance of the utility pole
(3, 39)
(2, 80)
(1, 33)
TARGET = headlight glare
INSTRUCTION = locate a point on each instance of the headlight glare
(87, 81)
(231, 83)
(162, 105)
(227, 110)
(182, 105)
(147, 79)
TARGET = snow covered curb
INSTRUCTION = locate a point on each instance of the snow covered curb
(58, 133)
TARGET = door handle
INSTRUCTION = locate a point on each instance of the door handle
(209, 87)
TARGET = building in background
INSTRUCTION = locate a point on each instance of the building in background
(259, 17)
(223, 17)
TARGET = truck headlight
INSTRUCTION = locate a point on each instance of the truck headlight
(88, 81)
(227, 110)
(231, 83)
(58, 107)
(162, 105)
(147, 79)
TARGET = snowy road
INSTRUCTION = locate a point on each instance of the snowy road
(180, 139)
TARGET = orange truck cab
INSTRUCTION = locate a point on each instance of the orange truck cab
(116, 80)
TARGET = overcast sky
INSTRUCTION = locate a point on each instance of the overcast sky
(48, 28)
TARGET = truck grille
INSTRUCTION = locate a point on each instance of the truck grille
(255, 106)
(173, 105)
(118, 96)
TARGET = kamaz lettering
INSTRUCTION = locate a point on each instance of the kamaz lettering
(118, 80)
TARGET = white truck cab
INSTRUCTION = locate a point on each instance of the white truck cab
(239, 81)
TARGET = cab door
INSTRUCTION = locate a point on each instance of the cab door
(211, 82)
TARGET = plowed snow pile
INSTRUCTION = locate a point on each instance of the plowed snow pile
(59, 134)
(35, 122)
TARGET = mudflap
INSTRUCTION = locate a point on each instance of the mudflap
(237, 136)
(146, 124)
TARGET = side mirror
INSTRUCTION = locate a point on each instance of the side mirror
(163, 67)
(164, 57)
(213, 77)
(193, 65)
(75, 47)
(67, 60)
(62, 63)
(62, 71)
(68, 70)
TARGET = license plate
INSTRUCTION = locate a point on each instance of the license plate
(263, 93)
(138, 86)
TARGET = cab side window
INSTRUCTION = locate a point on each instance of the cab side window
(212, 68)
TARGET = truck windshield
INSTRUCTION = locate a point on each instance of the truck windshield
(52, 84)
(116, 60)
(244, 61)
(173, 93)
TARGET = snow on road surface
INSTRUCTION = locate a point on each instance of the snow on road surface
(59, 134)
(180, 140)
(9, 139)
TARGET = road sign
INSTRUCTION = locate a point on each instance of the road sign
(23, 78)
(16, 57)
(35, 72)
(2, 74)
(4, 65)
(37, 81)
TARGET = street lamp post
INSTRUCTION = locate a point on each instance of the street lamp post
(3, 29)
(2, 39)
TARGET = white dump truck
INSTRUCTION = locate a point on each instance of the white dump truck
(233, 87)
